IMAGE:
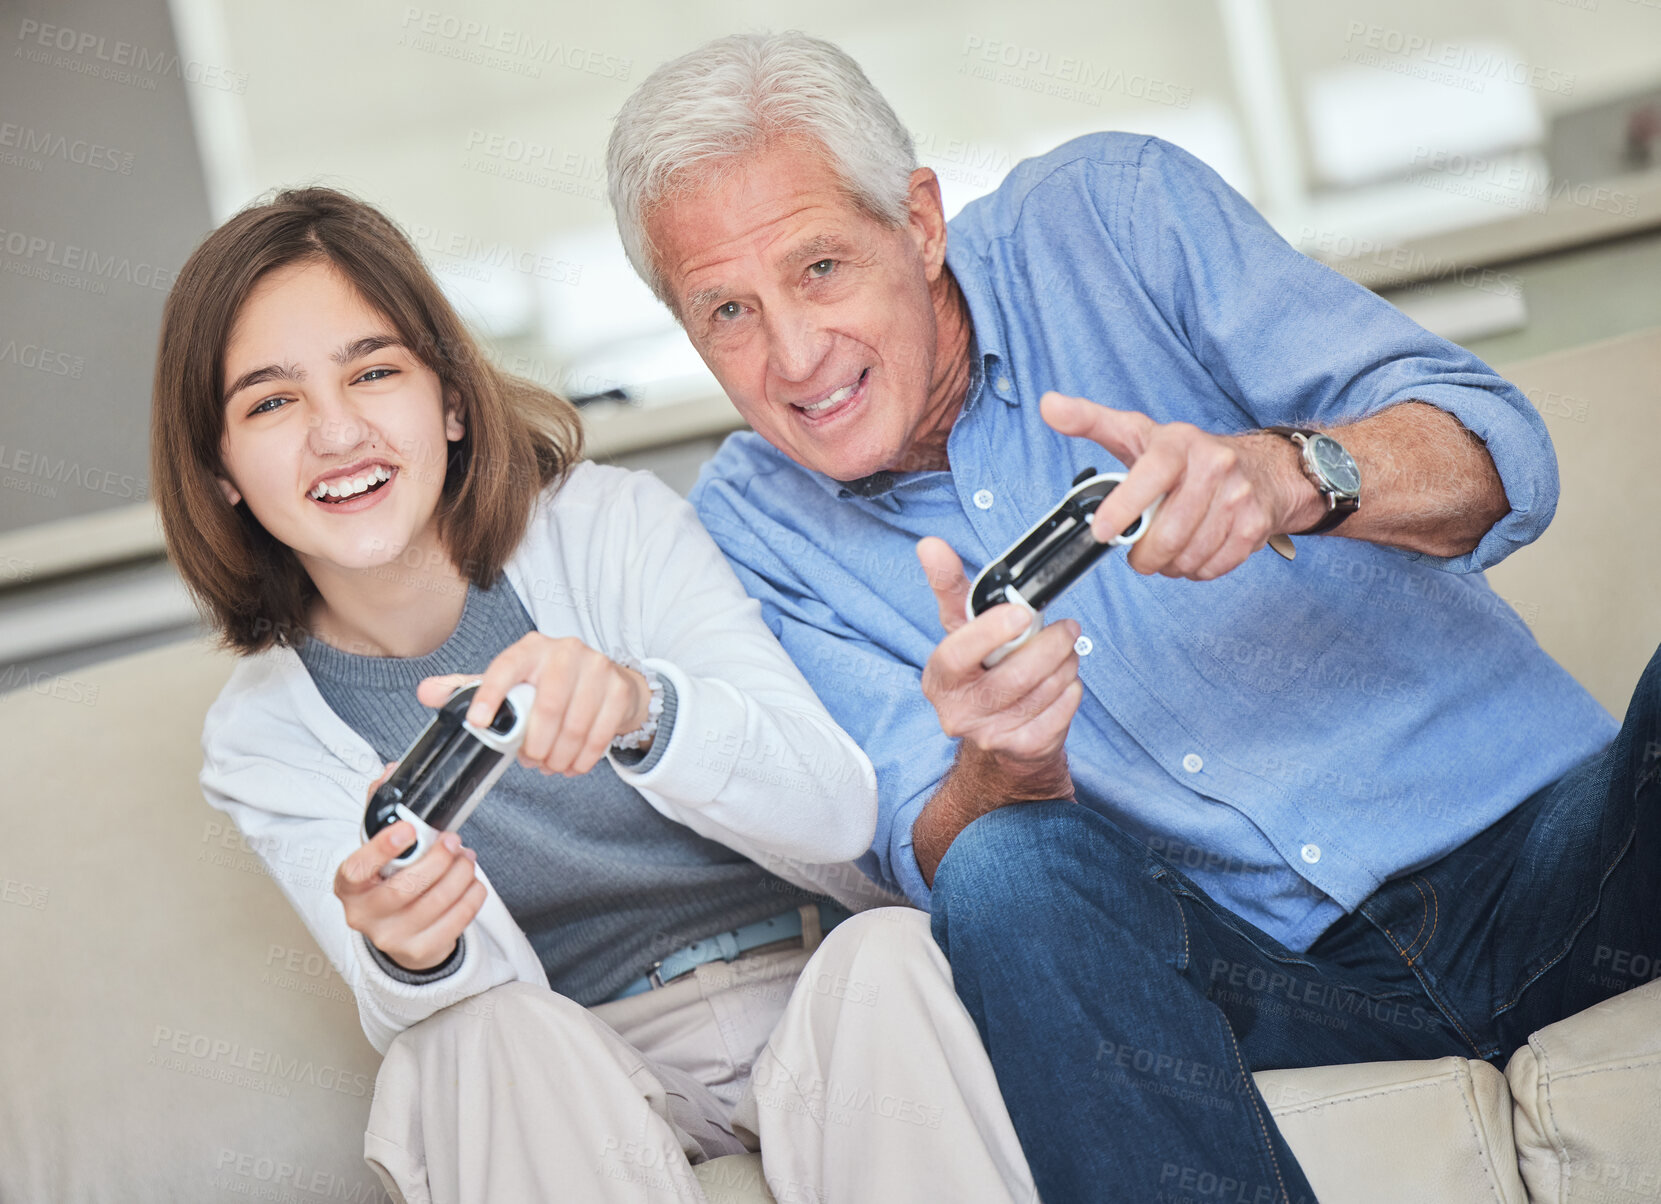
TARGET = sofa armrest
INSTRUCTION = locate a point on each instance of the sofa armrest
(1384, 1132)
(1588, 1102)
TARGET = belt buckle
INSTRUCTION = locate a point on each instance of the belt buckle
(654, 976)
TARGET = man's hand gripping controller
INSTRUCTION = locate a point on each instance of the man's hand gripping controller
(1052, 555)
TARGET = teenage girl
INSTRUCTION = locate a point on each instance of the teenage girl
(370, 514)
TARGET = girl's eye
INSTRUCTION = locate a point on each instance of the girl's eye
(262, 407)
(377, 374)
(822, 268)
(730, 310)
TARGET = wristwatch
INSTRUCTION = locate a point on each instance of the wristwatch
(1333, 472)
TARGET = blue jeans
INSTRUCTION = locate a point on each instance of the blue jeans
(1124, 1010)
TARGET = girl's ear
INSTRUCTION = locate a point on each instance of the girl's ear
(454, 428)
(229, 490)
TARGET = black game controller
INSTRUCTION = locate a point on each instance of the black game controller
(449, 768)
(1052, 555)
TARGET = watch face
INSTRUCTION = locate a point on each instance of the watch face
(1335, 464)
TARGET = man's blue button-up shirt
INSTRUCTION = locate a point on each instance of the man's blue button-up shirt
(1291, 734)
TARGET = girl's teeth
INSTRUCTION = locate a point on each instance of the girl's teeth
(356, 485)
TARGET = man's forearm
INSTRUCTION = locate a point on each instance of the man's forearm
(1427, 483)
(977, 783)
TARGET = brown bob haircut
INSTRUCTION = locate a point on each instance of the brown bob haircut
(519, 438)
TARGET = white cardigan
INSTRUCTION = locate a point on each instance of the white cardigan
(620, 561)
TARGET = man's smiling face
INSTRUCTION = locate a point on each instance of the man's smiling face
(816, 318)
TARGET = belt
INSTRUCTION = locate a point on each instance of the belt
(725, 946)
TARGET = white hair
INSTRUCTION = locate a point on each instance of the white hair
(697, 116)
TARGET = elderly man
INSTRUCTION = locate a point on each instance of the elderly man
(1228, 810)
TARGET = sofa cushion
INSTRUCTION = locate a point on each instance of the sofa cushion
(1385, 1132)
(178, 1035)
(172, 1032)
(1588, 1103)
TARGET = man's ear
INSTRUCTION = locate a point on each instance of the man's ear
(228, 489)
(927, 223)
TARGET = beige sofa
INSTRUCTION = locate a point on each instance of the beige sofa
(169, 1031)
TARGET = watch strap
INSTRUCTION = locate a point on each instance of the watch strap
(1338, 509)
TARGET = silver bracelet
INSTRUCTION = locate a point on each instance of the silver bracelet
(654, 706)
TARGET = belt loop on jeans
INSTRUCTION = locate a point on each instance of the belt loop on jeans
(813, 926)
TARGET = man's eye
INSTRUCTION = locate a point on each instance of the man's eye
(730, 310)
(377, 373)
(822, 268)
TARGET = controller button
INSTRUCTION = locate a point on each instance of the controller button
(983, 499)
(1192, 763)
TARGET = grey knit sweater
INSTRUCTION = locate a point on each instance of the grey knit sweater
(602, 884)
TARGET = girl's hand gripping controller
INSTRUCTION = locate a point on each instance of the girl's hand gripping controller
(1052, 555)
(451, 766)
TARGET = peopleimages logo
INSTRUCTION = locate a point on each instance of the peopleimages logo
(223, 1054)
(47, 253)
(1468, 67)
(42, 359)
(493, 253)
(1329, 1005)
(1512, 184)
(24, 894)
(110, 58)
(36, 472)
(270, 1175)
(1063, 75)
(48, 685)
(463, 38)
(527, 161)
(50, 145)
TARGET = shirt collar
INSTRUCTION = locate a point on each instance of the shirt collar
(986, 319)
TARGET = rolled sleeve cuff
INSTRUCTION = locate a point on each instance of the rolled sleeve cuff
(1523, 456)
(419, 978)
(642, 760)
(908, 876)
(697, 773)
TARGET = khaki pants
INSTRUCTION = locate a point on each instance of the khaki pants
(853, 1068)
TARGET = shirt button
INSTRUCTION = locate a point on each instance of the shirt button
(1082, 645)
(1003, 384)
(983, 499)
(1192, 763)
(1310, 853)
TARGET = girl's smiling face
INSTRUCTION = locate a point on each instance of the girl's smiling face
(336, 434)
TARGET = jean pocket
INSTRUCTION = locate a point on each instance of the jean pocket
(1215, 914)
(1246, 962)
